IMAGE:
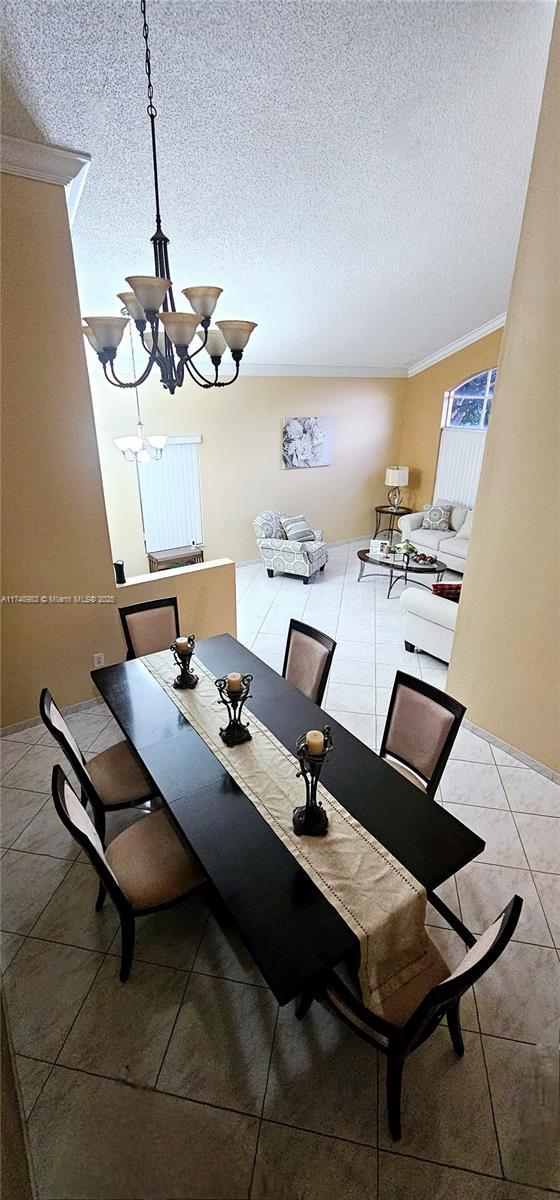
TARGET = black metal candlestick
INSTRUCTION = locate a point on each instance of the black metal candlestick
(186, 678)
(235, 732)
(310, 818)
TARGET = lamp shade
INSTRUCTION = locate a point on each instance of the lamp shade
(150, 290)
(236, 333)
(203, 300)
(180, 327)
(107, 331)
(215, 342)
(396, 476)
(148, 338)
(132, 306)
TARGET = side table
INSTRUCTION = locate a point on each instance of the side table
(392, 513)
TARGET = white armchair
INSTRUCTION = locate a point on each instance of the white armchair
(280, 554)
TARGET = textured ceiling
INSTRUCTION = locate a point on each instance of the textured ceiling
(353, 174)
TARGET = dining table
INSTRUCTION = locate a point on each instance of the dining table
(294, 934)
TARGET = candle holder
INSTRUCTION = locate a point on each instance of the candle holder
(235, 732)
(310, 818)
(186, 678)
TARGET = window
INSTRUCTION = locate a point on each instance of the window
(170, 497)
(468, 405)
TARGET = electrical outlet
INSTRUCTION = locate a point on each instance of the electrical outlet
(98, 661)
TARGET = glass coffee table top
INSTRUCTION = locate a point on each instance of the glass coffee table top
(399, 569)
(397, 563)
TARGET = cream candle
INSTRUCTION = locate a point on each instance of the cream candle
(182, 645)
(234, 681)
(315, 741)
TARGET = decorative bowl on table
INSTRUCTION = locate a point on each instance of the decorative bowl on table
(425, 560)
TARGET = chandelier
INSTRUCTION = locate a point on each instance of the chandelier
(166, 334)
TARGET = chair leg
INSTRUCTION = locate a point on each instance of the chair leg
(454, 1023)
(100, 897)
(270, 573)
(323, 567)
(306, 579)
(304, 1004)
(409, 646)
(128, 932)
(394, 1083)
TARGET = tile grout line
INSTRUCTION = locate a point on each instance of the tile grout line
(257, 1143)
(513, 816)
(181, 1002)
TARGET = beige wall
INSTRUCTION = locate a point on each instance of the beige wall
(423, 411)
(54, 532)
(240, 455)
(506, 663)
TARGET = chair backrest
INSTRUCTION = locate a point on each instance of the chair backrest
(267, 524)
(421, 727)
(437, 1002)
(58, 728)
(150, 626)
(308, 658)
(79, 825)
(485, 951)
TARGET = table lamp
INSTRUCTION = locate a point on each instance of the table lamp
(395, 478)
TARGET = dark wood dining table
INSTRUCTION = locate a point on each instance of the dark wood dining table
(292, 931)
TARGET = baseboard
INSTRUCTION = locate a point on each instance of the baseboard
(526, 759)
(82, 706)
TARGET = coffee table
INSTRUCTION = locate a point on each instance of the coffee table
(400, 569)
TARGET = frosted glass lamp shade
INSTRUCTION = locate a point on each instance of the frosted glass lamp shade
(396, 476)
(157, 440)
(203, 300)
(180, 327)
(236, 333)
(149, 340)
(150, 290)
(215, 344)
(132, 306)
(107, 331)
(89, 334)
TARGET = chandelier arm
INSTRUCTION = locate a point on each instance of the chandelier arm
(198, 377)
(123, 383)
(233, 378)
(201, 347)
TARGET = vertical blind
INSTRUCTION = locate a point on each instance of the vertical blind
(170, 496)
(458, 470)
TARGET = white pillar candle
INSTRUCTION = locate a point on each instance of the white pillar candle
(315, 741)
(234, 681)
(182, 645)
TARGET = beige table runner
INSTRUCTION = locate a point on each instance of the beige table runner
(377, 897)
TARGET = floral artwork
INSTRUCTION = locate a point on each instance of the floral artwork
(307, 442)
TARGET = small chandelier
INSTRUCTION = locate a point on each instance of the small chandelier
(166, 334)
(140, 448)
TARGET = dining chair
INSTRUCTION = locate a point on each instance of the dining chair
(416, 1010)
(307, 660)
(150, 626)
(146, 868)
(421, 727)
(111, 780)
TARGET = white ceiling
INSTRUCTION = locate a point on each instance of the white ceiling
(352, 173)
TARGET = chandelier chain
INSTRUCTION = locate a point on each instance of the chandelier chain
(152, 110)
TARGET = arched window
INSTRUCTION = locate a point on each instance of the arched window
(468, 405)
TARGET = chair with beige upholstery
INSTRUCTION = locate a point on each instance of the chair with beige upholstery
(146, 868)
(307, 660)
(411, 1015)
(111, 780)
(150, 626)
(421, 727)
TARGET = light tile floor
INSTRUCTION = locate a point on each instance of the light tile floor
(188, 1081)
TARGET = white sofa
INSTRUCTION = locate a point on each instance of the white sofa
(429, 622)
(451, 545)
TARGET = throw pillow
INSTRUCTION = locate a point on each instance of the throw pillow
(466, 527)
(297, 529)
(450, 591)
(436, 516)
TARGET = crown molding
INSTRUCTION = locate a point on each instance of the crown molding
(322, 372)
(453, 347)
(50, 164)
